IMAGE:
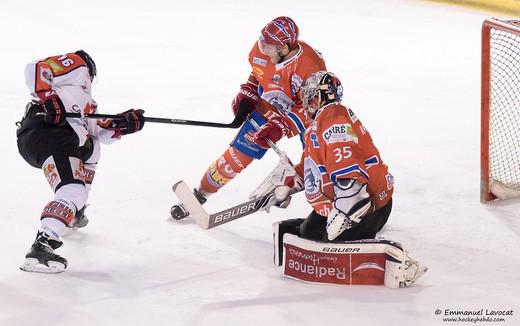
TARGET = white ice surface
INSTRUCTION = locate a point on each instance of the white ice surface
(411, 71)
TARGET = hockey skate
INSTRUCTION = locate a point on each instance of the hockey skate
(179, 212)
(41, 258)
(80, 220)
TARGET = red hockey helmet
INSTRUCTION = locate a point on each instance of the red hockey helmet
(280, 31)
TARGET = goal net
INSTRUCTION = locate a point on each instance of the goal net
(500, 116)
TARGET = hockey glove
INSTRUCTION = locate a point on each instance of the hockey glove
(352, 203)
(247, 94)
(131, 121)
(54, 108)
(274, 129)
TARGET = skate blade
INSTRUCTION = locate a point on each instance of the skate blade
(33, 265)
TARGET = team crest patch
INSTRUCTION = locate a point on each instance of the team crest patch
(46, 75)
(259, 61)
(340, 133)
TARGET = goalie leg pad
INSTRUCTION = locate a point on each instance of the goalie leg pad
(280, 228)
(366, 262)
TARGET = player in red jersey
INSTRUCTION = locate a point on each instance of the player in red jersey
(350, 190)
(345, 179)
(280, 63)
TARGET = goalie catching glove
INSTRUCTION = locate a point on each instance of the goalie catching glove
(352, 203)
(283, 181)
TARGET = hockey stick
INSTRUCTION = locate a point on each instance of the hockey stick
(239, 119)
(268, 141)
(209, 221)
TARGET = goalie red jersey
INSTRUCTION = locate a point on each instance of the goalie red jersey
(337, 146)
(278, 84)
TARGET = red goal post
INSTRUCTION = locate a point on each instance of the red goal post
(500, 110)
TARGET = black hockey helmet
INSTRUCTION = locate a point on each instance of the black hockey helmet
(319, 89)
(91, 65)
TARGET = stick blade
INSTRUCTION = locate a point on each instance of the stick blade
(192, 205)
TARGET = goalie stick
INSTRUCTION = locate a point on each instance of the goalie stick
(209, 221)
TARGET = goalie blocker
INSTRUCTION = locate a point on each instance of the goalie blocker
(362, 262)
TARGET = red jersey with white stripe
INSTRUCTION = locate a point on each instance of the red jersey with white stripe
(279, 83)
(337, 146)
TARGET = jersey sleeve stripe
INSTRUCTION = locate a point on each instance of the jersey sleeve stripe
(371, 161)
(299, 124)
(342, 172)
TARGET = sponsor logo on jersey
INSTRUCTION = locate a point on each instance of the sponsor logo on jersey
(340, 133)
(296, 83)
(54, 65)
(352, 115)
(382, 195)
(276, 78)
(259, 72)
(389, 181)
(259, 61)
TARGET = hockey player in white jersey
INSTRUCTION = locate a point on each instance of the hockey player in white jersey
(66, 149)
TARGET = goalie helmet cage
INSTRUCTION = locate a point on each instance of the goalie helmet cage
(500, 110)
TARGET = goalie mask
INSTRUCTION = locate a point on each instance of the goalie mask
(320, 89)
